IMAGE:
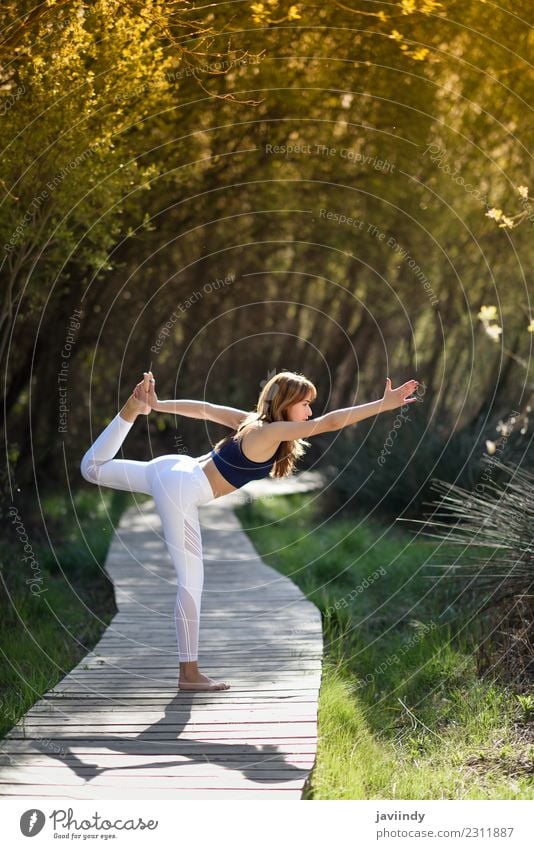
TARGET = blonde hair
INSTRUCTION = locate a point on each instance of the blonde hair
(279, 392)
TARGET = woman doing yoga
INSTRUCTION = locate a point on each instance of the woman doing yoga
(265, 441)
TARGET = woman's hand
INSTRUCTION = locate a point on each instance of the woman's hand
(394, 398)
(145, 392)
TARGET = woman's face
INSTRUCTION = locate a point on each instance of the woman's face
(301, 411)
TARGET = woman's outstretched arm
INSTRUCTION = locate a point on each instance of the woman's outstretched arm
(229, 416)
(338, 419)
(393, 398)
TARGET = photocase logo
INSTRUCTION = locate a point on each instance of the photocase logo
(31, 822)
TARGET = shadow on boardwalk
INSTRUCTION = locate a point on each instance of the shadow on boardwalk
(116, 726)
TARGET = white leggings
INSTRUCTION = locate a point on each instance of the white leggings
(178, 486)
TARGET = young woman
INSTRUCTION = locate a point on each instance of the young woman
(265, 441)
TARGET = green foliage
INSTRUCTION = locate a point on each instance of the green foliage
(361, 248)
(404, 712)
(498, 515)
(72, 180)
(44, 634)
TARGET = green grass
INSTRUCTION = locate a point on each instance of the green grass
(44, 635)
(403, 712)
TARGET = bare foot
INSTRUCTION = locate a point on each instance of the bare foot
(198, 681)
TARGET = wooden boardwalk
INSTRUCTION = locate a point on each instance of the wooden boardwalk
(117, 727)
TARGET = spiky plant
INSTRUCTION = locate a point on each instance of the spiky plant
(497, 518)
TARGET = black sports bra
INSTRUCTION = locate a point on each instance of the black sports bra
(236, 468)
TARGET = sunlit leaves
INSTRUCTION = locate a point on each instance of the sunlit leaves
(510, 221)
(274, 12)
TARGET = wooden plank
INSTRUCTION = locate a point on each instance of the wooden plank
(117, 725)
(196, 717)
(57, 700)
(234, 714)
(96, 745)
(163, 690)
(300, 660)
(156, 786)
(89, 792)
(116, 760)
(169, 684)
(171, 730)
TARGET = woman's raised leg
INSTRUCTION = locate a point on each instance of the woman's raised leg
(98, 465)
